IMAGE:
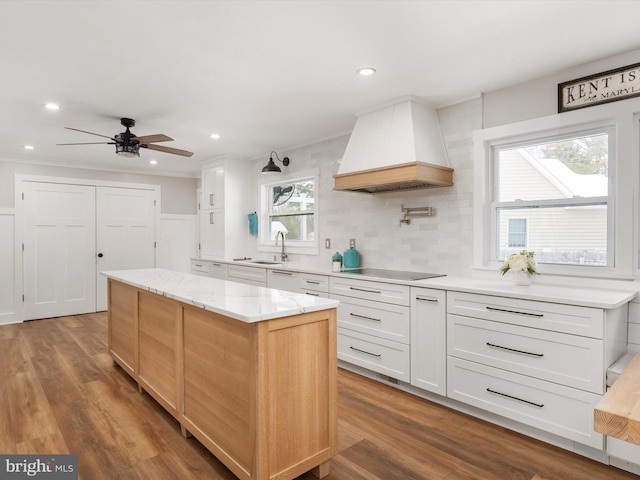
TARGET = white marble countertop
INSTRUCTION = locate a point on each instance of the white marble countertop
(247, 303)
(568, 295)
(588, 296)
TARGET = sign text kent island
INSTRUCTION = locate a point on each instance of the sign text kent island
(618, 84)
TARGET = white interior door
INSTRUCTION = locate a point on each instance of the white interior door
(126, 233)
(59, 238)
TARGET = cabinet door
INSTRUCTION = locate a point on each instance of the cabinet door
(283, 280)
(428, 340)
(159, 349)
(212, 188)
(212, 233)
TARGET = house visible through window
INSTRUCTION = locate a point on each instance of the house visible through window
(553, 197)
(517, 235)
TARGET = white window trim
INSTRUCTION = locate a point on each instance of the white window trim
(264, 243)
(623, 224)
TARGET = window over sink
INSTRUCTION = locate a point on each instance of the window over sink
(289, 205)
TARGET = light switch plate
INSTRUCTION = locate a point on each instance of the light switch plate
(352, 243)
(327, 243)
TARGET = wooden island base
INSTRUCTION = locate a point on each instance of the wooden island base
(260, 396)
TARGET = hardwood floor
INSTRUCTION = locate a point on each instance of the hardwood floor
(61, 393)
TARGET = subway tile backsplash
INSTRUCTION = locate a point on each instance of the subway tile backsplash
(439, 244)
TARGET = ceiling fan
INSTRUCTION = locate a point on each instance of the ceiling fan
(128, 144)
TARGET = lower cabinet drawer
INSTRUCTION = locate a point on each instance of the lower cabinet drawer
(385, 320)
(560, 410)
(557, 357)
(376, 354)
(315, 294)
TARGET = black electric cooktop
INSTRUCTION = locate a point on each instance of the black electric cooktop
(394, 274)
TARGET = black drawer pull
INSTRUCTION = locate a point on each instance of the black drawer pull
(313, 294)
(431, 300)
(364, 351)
(539, 405)
(539, 315)
(211, 199)
(365, 290)
(514, 350)
(312, 282)
(366, 318)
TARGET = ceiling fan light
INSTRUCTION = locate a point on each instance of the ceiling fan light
(128, 150)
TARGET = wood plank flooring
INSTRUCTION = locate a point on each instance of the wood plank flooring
(61, 393)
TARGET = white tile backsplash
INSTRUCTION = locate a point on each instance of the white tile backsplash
(440, 244)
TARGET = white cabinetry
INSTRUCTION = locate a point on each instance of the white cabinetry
(249, 275)
(539, 363)
(212, 187)
(314, 284)
(374, 325)
(209, 269)
(223, 212)
(428, 340)
(200, 267)
(283, 280)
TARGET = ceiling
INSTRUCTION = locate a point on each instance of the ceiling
(267, 75)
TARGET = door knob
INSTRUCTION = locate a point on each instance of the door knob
(100, 255)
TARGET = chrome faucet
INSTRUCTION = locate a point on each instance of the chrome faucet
(283, 256)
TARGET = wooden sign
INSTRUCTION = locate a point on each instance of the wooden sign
(605, 87)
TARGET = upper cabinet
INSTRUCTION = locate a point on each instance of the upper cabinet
(224, 226)
(212, 187)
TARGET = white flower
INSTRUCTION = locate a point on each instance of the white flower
(518, 263)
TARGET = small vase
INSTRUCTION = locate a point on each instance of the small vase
(521, 278)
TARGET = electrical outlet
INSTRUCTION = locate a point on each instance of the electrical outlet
(352, 243)
(327, 243)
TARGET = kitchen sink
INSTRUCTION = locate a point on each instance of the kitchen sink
(265, 262)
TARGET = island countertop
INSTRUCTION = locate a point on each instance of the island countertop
(242, 302)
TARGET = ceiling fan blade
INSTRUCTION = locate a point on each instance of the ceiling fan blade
(158, 137)
(88, 143)
(90, 133)
(174, 151)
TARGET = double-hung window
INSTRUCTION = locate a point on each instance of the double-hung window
(552, 195)
(289, 206)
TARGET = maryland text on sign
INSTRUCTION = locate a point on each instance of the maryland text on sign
(604, 87)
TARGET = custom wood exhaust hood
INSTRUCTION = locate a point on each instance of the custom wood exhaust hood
(395, 147)
(404, 176)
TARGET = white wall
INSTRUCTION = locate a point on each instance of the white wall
(178, 193)
(441, 244)
(177, 241)
(9, 278)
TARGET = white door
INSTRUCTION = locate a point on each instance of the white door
(126, 233)
(59, 238)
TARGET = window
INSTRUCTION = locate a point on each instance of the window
(289, 206)
(552, 196)
(517, 234)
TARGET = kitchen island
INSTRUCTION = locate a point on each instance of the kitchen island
(249, 371)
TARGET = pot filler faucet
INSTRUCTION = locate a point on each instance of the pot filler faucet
(283, 256)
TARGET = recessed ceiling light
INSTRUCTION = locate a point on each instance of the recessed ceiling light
(52, 106)
(153, 162)
(28, 147)
(365, 72)
(215, 136)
